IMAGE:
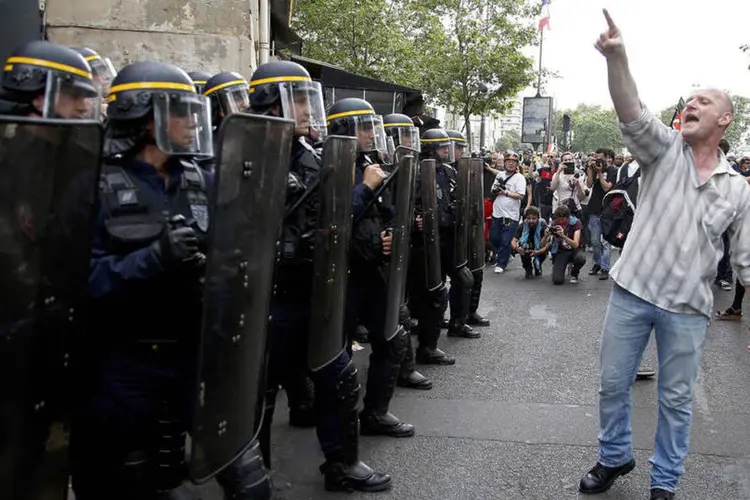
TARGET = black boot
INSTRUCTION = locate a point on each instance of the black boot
(246, 478)
(385, 364)
(435, 356)
(343, 471)
(476, 319)
(361, 335)
(458, 328)
(414, 380)
(600, 478)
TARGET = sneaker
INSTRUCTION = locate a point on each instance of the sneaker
(573, 280)
(644, 372)
(499, 270)
(595, 270)
(725, 285)
(604, 275)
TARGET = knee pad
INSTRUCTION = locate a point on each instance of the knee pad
(439, 299)
(466, 279)
(347, 387)
(397, 346)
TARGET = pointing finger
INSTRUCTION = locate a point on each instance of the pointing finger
(610, 22)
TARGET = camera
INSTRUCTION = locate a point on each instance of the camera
(578, 174)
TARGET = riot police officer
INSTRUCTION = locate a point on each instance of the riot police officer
(199, 80)
(464, 309)
(428, 301)
(148, 256)
(49, 158)
(48, 80)
(405, 136)
(285, 89)
(368, 281)
(228, 93)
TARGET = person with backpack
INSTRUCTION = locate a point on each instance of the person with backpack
(600, 178)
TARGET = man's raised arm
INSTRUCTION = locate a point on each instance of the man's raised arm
(621, 84)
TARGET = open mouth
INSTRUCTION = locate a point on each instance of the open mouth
(690, 118)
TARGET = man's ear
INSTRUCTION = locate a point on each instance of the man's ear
(38, 103)
(726, 119)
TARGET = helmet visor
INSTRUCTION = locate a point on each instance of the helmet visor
(442, 149)
(182, 124)
(71, 98)
(460, 149)
(370, 134)
(407, 137)
(235, 100)
(389, 155)
(303, 103)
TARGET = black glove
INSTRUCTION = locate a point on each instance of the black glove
(177, 245)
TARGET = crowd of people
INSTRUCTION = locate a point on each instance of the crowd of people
(149, 253)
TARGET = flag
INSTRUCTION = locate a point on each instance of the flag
(544, 20)
(677, 117)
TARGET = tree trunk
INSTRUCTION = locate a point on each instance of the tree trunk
(467, 127)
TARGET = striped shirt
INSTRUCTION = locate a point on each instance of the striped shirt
(671, 253)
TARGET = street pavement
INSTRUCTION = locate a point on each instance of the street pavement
(517, 416)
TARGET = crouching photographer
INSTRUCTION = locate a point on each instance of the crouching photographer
(529, 242)
(564, 240)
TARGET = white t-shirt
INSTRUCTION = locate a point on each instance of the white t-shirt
(505, 206)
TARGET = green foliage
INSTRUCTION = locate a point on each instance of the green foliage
(463, 54)
(511, 140)
(592, 127)
(666, 115)
(737, 132)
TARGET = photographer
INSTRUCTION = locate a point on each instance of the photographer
(568, 186)
(528, 242)
(600, 177)
(563, 239)
(508, 189)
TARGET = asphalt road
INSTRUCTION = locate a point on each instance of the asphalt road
(517, 416)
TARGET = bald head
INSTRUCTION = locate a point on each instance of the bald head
(707, 115)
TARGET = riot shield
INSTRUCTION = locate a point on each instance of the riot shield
(462, 212)
(249, 193)
(476, 215)
(430, 224)
(397, 266)
(48, 185)
(331, 255)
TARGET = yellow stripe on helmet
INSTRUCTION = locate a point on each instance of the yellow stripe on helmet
(280, 79)
(223, 86)
(48, 64)
(398, 125)
(345, 114)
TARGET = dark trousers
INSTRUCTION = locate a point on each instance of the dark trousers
(529, 261)
(462, 281)
(288, 334)
(560, 261)
(724, 271)
(426, 306)
(546, 211)
(502, 232)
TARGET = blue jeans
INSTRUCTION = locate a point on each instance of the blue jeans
(602, 249)
(502, 232)
(679, 340)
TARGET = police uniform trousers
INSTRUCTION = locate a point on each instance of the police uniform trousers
(367, 295)
(461, 282)
(288, 364)
(426, 306)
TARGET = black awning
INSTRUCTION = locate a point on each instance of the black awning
(334, 76)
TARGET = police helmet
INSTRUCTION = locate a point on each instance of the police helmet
(102, 68)
(437, 145)
(459, 142)
(146, 91)
(356, 118)
(285, 88)
(402, 130)
(228, 93)
(199, 80)
(58, 73)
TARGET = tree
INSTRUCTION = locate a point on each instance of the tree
(666, 115)
(463, 54)
(509, 140)
(737, 132)
(479, 66)
(592, 127)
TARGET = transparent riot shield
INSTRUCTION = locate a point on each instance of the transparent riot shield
(430, 224)
(331, 255)
(249, 194)
(49, 173)
(476, 215)
(397, 266)
(462, 212)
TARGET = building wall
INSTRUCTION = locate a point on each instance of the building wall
(208, 35)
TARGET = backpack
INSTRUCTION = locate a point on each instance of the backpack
(618, 210)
